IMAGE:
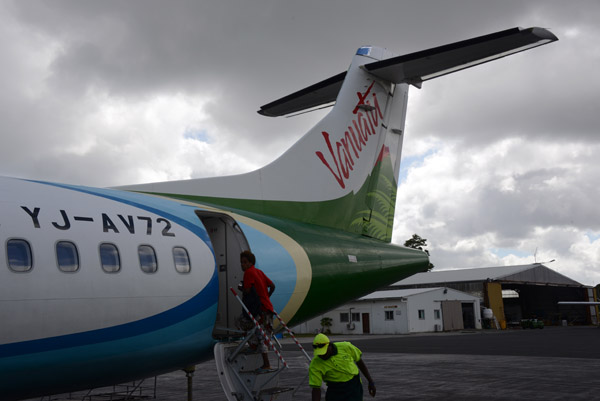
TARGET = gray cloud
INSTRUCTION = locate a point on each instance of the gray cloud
(103, 93)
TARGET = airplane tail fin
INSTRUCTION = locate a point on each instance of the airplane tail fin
(344, 172)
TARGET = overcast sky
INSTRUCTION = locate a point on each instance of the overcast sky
(500, 165)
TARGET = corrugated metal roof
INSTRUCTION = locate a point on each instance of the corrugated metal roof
(397, 293)
(405, 293)
(534, 273)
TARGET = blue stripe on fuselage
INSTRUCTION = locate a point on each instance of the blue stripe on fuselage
(96, 365)
(276, 262)
(202, 301)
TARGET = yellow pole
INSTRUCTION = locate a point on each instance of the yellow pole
(495, 302)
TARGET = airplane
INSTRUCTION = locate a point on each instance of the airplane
(107, 285)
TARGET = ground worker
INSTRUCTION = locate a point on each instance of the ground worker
(337, 364)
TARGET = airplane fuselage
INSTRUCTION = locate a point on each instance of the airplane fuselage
(100, 286)
(98, 275)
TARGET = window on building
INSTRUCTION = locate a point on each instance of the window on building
(344, 317)
(147, 256)
(19, 255)
(181, 259)
(67, 257)
(109, 258)
(421, 313)
(389, 315)
(510, 294)
(356, 317)
(436, 314)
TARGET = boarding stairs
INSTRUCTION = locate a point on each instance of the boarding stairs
(136, 390)
(238, 364)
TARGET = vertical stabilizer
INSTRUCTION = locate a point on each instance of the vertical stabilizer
(345, 169)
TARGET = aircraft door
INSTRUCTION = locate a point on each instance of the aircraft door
(228, 242)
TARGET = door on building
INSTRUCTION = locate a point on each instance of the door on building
(228, 242)
(366, 323)
(452, 315)
(468, 315)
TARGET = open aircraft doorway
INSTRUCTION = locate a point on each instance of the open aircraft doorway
(228, 241)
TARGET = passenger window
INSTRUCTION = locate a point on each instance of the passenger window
(147, 257)
(182, 260)
(19, 255)
(109, 258)
(67, 257)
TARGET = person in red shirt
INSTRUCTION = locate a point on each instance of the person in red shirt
(257, 281)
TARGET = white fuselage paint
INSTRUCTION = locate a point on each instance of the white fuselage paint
(354, 139)
(47, 302)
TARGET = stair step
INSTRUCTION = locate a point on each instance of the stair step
(275, 390)
(258, 371)
(249, 351)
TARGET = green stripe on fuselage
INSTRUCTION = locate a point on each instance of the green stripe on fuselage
(335, 278)
(368, 212)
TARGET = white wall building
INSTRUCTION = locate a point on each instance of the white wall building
(401, 312)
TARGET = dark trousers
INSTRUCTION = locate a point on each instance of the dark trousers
(351, 390)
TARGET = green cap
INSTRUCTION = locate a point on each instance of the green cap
(320, 344)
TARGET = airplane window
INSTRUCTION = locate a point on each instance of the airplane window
(67, 257)
(19, 255)
(148, 262)
(109, 258)
(182, 260)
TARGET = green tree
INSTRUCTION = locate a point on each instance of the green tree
(416, 242)
(326, 323)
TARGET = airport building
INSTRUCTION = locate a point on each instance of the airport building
(453, 299)
(401, 312)
(516, 292)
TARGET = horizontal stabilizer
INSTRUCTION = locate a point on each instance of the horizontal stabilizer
(417, 67)
(421, 66)
(315, 95)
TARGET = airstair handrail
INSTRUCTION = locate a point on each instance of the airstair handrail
(292, 335)
(267, 339)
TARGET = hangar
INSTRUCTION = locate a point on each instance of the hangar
(516, 292)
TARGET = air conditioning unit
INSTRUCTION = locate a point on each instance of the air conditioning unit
(350, 326)
(437, 327)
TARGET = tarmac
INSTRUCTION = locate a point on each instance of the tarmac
(555, 363)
